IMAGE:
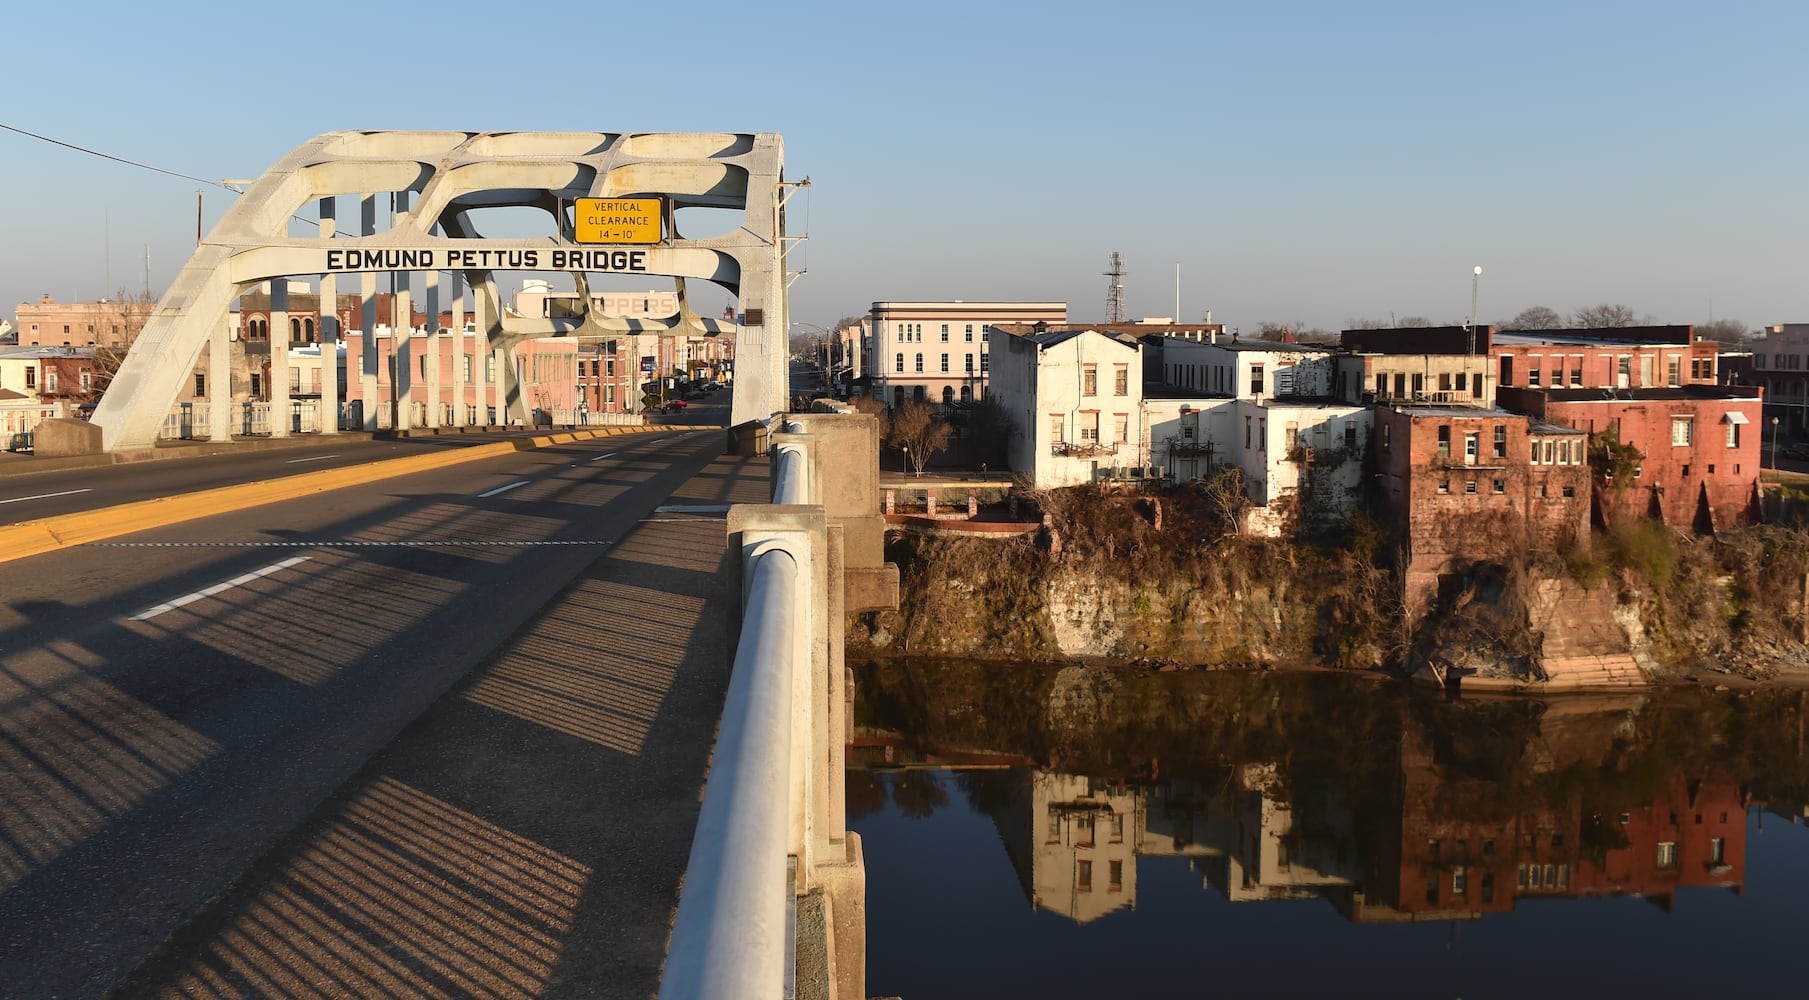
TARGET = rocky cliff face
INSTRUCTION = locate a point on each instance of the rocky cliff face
(1242, 603)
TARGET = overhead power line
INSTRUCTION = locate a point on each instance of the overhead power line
(116, 159)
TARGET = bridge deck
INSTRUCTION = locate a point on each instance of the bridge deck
(527, 836)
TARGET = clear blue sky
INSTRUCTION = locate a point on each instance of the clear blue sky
(1299, 161)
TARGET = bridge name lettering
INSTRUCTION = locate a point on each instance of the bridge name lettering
(428, 259)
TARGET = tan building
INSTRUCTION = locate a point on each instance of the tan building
(936, 352)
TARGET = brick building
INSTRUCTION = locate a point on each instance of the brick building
(1632, 357)
(1463, 484)
(1698, 447)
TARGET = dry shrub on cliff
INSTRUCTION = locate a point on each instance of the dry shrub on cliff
(962, 595)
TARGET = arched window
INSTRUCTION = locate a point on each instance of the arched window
(967, 393)
(308, 329)
(948, 394)
(920, 369)
(899, 364)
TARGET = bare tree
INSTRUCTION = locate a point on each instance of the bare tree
(1414, 322)
(917, 431)
(1536, 318)
(1726, 331)
(125, 319)
(1607, 316)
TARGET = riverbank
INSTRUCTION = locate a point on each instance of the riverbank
(1122, 581)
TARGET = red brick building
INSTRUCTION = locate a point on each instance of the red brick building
(1633, 357)
(1698, 446)
(1461, 484)
(1469, 845)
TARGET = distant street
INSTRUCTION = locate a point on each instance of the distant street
(173, 703)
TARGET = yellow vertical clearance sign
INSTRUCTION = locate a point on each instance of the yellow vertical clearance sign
(619, 220)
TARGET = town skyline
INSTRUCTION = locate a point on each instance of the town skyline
(1311, 166)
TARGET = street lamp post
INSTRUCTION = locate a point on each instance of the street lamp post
(1774, 444)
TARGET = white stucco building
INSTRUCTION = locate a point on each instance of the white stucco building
(1265, 407)
(1075, 401)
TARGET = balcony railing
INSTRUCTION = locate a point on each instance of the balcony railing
(1084, 449)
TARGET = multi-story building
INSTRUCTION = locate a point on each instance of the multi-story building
(1461, 484)
(102, 323)
(938, 352)
(1780, 365)
(1267, 408)
(1697, 447)
(1417, 366)
(1633, 357)
(1075, 398)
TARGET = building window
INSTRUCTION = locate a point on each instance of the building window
(1444, 442)
(1470, 487)
(1121, 381)
(1058, 427)
(1256, 380)
(87, 380)
(1673, 370)
(1444, 486)
(945, 364)
(1570, 492)
(1667, 854)
(1084, 876)
(1576, 372)
(1717, 851)
(1121, 425)
(200, 383)
(945, 333)
(983, 363)
(920, 363)
(1733, 435)
(1500, 486)
(1532, 376)
(970, 333)
(1460, 882)
(465, 368)
(970, 364)
(1500, 440)
(1350, 435)
(1115, 875)
(1680, 431)
(898, 363)
(1472, 445)
(1089, 381)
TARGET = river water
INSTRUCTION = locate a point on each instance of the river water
(1049, 833)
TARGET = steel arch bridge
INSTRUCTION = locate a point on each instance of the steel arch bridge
(437, 180)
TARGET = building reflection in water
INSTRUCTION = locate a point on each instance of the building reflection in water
(1448, 826)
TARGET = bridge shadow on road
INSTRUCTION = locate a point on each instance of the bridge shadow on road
(527, 836)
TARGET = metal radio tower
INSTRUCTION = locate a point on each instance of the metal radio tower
(1115, 290)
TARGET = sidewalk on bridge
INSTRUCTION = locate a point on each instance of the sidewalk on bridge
(528, 835)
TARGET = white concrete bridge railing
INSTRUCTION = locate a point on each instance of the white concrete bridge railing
(772, 831)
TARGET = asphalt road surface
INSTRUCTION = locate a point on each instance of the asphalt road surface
(174, 706)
